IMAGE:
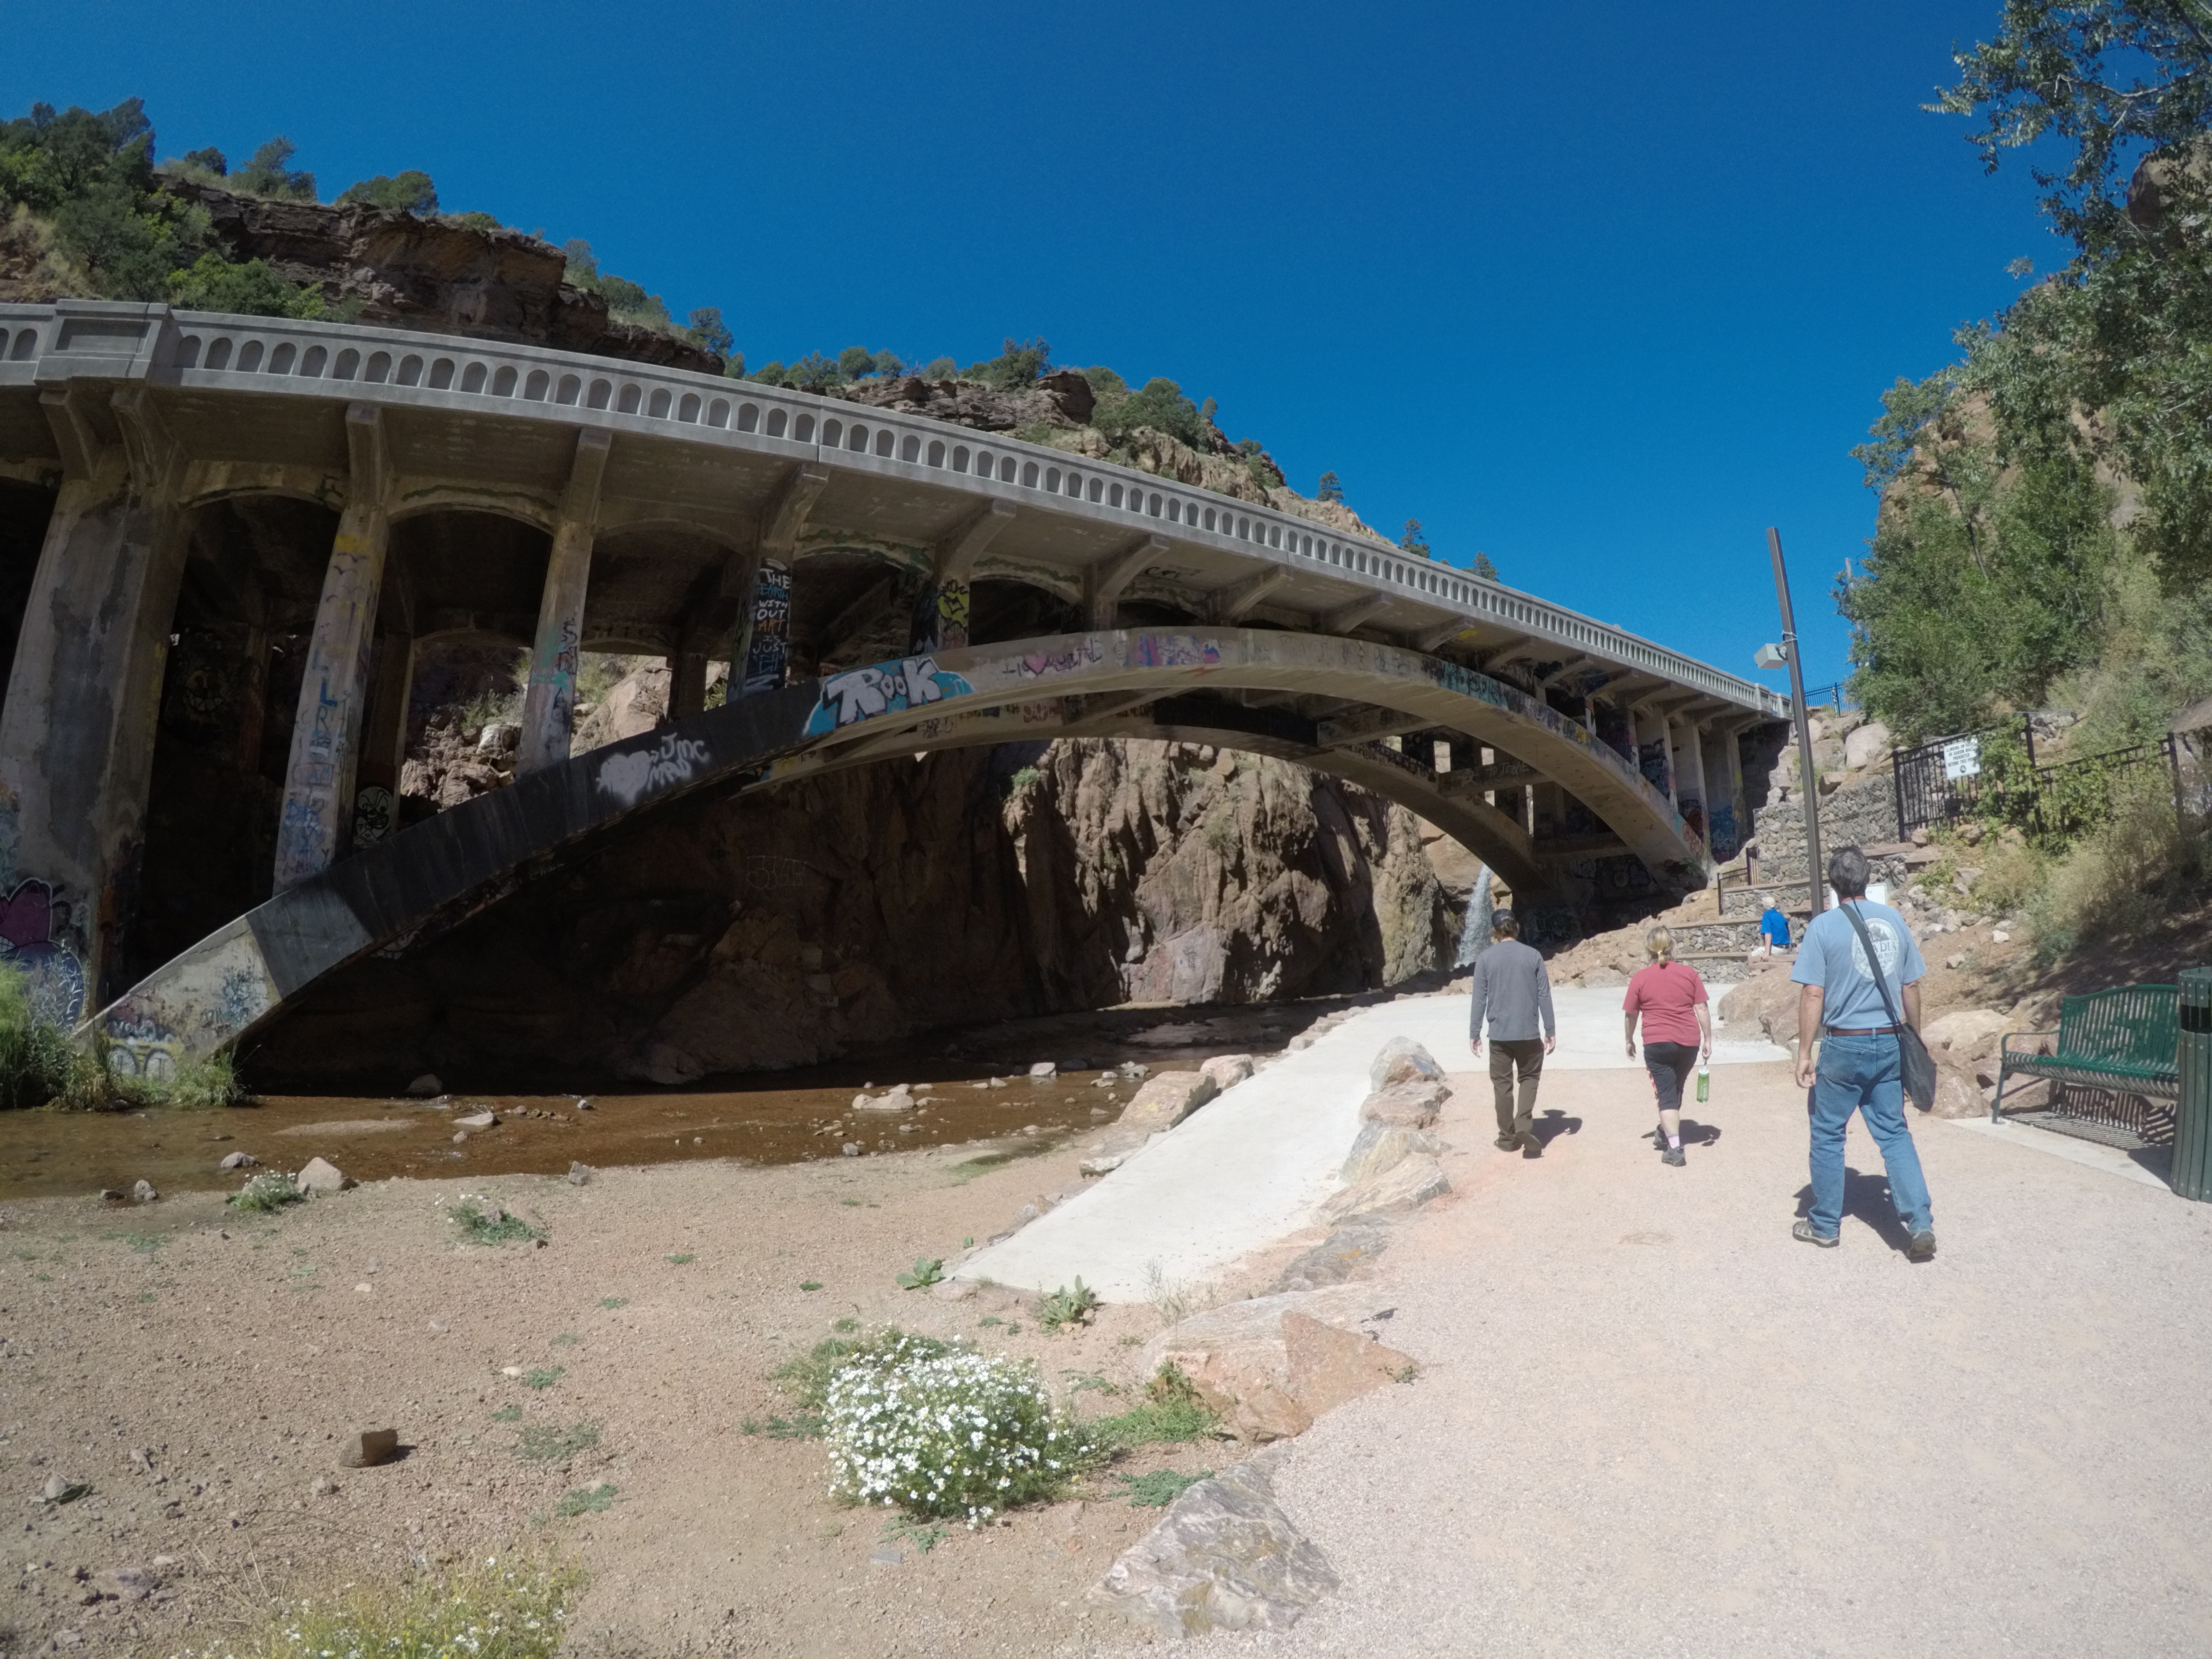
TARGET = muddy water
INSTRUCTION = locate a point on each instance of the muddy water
(774, 1118)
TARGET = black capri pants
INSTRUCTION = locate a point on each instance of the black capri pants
(1670, 1065)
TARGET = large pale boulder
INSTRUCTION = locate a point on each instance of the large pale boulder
(321, 1176)
(1224, 1556)
(1165, 1101)
(1407, 1185)
(1866, 745)
(1403, 1060)
(1766, 1004)
(1957, 1094)
(1272, 1365)
(1406, 1105)
(1227, 1071)
(1382, 1146)
(1966, 1031)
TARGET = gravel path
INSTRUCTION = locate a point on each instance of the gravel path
(1651, 1424)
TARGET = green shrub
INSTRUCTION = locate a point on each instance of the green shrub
(806, 1377)
(1160, 406)
(35, 1059)
(267, 175)
(1015, 369)
(266, 1193)
(951, 1435)
(1171, 1411)
(410, 191)
(492, 1226)
(1068, 1305)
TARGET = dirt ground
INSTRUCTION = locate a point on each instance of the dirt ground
(235, 1352)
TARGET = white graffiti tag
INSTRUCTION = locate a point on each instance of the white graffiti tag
(865, 693)
(626, 777)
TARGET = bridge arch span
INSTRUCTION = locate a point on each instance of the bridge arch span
(1115, 683)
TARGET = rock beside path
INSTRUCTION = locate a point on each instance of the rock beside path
(1271, 1365)
(1411, 1105)
(1408, 1184)
(1166, 1100)
(1227, 1071)
(1224, 1556)
(1403, 1060)
(1336, 1258)
(1381, 1147)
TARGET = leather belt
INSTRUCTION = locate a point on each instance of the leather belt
(1864, 1030)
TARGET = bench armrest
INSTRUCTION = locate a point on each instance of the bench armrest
(2006, 1049)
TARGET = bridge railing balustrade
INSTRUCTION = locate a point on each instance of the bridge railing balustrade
(227, 352)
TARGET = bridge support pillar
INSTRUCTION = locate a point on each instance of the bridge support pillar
(77, 744)
(687, 681)
(758, 664)
(1688, 747)
(1724, 805)
(1654, 751)
(549, 706)
(384, 744)
(316, 825)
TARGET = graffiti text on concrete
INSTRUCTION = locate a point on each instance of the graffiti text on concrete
(862, 694)
(629, 777)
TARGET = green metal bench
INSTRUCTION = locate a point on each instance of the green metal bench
(2126, 1040)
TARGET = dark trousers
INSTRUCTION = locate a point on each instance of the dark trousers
(1526, 1056)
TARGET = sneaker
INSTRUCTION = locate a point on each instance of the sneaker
(1658, 1140)
(1922, 1248)
(1672, 1155)
(1508, 1143)
(1826, 1241)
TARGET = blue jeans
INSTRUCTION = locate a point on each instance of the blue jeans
(1861, 1074)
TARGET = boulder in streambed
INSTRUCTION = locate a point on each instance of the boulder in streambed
(320, 1176)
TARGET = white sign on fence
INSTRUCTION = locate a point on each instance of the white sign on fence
(1962, 759)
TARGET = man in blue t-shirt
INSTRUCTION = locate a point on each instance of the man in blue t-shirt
(1773, 932)
(1844, 1006)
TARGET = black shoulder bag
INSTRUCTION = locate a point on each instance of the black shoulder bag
(1914, 1061)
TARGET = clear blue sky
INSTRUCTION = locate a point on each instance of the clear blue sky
(1603, 291)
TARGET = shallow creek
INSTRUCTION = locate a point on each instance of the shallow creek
(781, 1117)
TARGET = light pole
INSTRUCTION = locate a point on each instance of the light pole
(1789, 653)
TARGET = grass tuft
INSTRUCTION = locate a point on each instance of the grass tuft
(1160, 1488)
(490, 1612)
(587, 1500)
(548, 1443)
(266, 1194)
(493, 1226)
(1170, 1411)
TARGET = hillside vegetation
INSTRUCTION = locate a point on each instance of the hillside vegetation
(2045, 535)
(86, 210)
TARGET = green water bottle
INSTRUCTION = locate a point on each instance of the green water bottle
(1704, 1082)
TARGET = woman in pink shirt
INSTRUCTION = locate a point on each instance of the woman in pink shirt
(1678, 1032)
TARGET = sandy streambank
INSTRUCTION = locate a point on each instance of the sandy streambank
(197, 1368)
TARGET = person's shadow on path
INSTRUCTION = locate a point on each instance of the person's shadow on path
(1695, 1134)
(1551, 1125)
(1866, 1198)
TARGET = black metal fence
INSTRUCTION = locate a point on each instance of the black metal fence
(1994, 773)
(1942, 780)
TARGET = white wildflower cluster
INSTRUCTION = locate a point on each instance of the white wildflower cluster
(955, 1435)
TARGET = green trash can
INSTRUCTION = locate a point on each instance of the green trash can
(2192, 1126)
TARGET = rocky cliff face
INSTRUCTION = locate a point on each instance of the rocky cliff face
(433, 273)
(790, 927)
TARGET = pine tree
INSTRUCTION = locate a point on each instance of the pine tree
(1331, 489)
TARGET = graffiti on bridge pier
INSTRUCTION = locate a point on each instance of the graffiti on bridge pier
(886, 688)
(38, 939)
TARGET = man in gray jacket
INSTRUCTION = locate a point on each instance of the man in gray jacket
(1513, 991)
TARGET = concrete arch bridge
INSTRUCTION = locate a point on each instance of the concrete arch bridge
(223, 541)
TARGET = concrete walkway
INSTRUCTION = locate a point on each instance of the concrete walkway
(1650, 1423)
(1248, 1168)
